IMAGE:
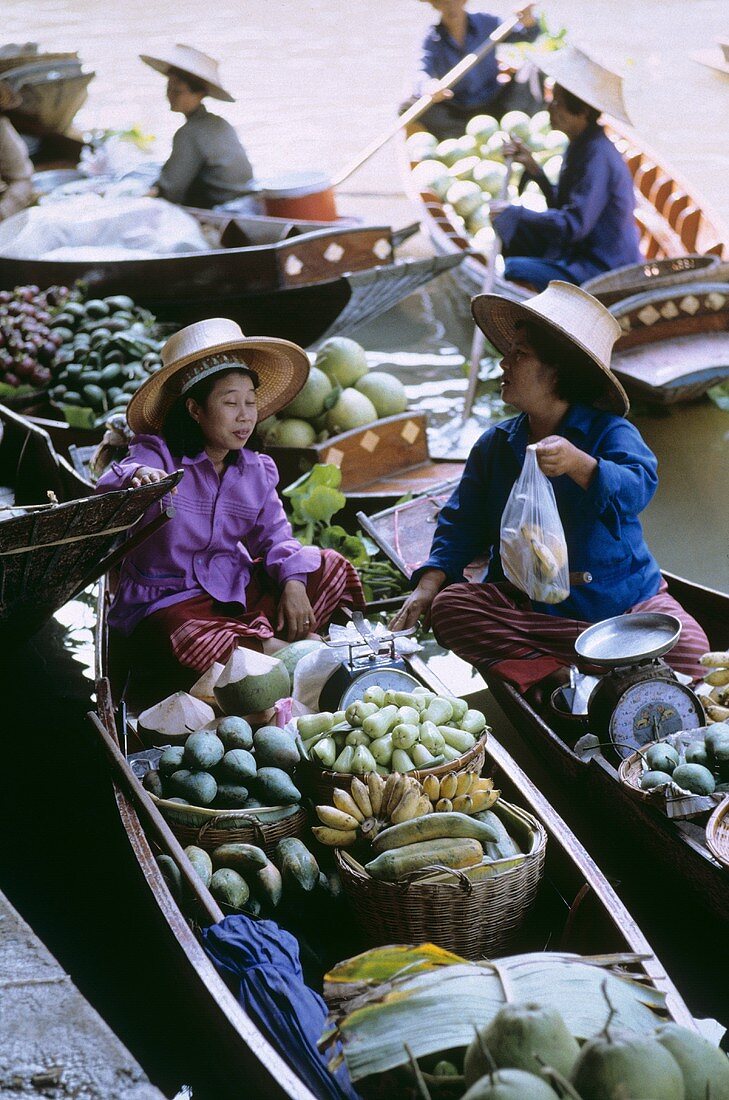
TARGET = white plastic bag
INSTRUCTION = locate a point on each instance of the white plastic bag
(533, 547)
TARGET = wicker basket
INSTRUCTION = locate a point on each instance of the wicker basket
(475, 913)
(208, 828)
(319, 783)
(675, 805)
(717, 833)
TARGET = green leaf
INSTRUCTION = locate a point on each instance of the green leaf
(720, 396)
(79, 416)
(16, 391)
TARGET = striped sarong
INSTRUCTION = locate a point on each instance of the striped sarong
(494, 627)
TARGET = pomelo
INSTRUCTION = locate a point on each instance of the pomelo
(432, 175)
(352, 410)
(523, 1036)
(490, 176)
(465, 197)
(482, 127)
(385, 391)
(265, 427)
(464, 167)
(517, 123)
(480, 219)
(342, 360)
(421, 145)
(495, 144)
(552, 169)
(483, 240)
(291, 432)
(309, 401)
(251, 682)
(510, 1084)
(467, 145)
(540, 123)
(448, 151)
(627, 1067)
(705, 1068)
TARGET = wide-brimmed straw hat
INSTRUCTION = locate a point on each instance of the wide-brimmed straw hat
(587, 79)
(194, 63)
(206, 348)
(10, 100)
(583, 326)
(718, 58)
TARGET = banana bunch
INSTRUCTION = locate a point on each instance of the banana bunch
(464, 792)
(716, 703)
(373, 804)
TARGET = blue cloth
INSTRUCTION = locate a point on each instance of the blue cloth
(259, 962)
(590, 224)
(604, 535)
(538, 273)
(441, 52)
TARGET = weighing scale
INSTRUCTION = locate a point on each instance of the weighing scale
(640, 699)
(372, 661)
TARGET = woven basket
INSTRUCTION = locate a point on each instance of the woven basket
(632, 279)
(682, 807)
(476, 912)
(717, 833)
(319, 783)
(209, 828)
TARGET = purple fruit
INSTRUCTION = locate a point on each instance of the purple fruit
(12, 379)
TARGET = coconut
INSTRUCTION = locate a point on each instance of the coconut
(294, 652)
(541, 123)
(464, 167)
(432, 175)
(309, 401)
(421, 145)
(342, 360)
(490, 176)
(627, 1067)
(704, 1067)
(447, 151)
(174, 719)
(494, 147)
(523, 1036)
(510, 1084)
(385, 391)
(518, 124)
(352, 410)
(203, 688)
(251, 682)
(291, 432)
(482, 127)
(465, 197)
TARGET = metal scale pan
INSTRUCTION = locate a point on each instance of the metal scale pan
(629, 639)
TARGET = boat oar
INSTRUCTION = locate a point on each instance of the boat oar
(479, 340)
(523, 16)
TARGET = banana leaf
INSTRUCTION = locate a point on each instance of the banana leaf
(435, 1009)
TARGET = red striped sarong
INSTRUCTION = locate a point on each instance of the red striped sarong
(485, 626)
(200, 631)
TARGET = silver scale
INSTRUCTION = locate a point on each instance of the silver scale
(372, 661)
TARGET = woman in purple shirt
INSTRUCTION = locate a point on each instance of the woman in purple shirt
(226, 569)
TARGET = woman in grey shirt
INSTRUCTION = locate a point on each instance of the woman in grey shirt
(207, 165)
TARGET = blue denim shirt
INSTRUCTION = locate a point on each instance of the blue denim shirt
(590, 224)
(441, 52)
(601, 525)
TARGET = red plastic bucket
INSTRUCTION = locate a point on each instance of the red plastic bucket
(301, 196)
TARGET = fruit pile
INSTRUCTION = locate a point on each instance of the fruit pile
(341, 393)
(701, 767)
(391, 731)
(228, 767)
(716, 703)
(468, 172)
(29, 341)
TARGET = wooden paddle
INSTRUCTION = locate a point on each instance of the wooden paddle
(479, 340)
(522, 16)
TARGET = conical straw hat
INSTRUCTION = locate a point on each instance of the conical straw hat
(282, 369)
(587, 331)
(718, 58)
(194, 62)
(587, 79)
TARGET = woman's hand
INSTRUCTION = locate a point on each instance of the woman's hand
(295, 615)
(147, 475)
(520, 154)
(419, 602)
(557, 456)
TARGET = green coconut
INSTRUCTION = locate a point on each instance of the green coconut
(385, 391)
(694, 778)
(627, 1067)
(309, 401)
(661, 758)
(352, 410)
(650, 780)
(704, 1067)
(251, 682)
(510, 1084)
(523, 1036)
(342, 360)
(294, 652)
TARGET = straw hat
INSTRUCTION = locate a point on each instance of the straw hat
(718, 58)
(585, 78)
(282, 369)
(9, 98)
(585, 327)
(195, 63)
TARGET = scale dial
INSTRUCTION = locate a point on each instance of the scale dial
(650, 710)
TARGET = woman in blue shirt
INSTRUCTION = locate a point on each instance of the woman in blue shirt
(556, 367)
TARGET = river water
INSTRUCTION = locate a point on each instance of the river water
(315, 82)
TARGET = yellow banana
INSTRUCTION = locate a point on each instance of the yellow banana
(336, 819)
(425, 806)
(463, 804)
(464, 782)
(431, 786)
(334, 838)
(481, 784)
(483, 800)
(443, 806)
(376, 788)
(449, 785)
(361, 796)
(388, 792)
(344, 802)
(396, 792)
(406, 807)
(718, 677)
(715, 659)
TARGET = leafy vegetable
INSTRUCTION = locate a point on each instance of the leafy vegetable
(720, 396)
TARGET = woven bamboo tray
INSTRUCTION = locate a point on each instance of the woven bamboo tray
(476, 912)
(318, 783)
(209, 828)
(717, 833)
(668, 799)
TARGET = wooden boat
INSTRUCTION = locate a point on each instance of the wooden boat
(678, 847)
(576, 910)
(54, 539)
(272, 276)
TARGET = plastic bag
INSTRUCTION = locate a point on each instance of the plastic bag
(533, 547)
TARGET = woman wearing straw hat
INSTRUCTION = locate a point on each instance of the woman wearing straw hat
(225, 570)
(589, 226)
(208, 165)
(556, 351)
(16, 168)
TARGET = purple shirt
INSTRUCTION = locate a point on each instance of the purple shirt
(219, 528)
